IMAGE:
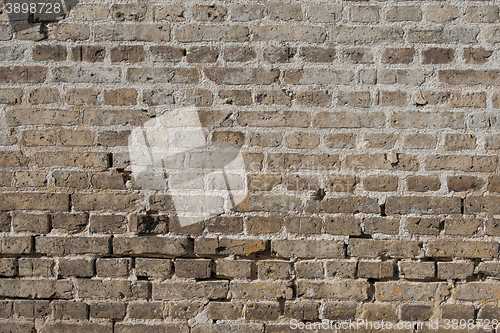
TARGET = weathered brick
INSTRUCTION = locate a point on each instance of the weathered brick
(34, 201)
(67, 310)
(284, 33)
(33, 116)
(392, 98)
(442, 13)
(318, 54)
(340, 311)
(128, 12)
(477, 55)
(11, 96)
(397, 55)
(110, 310)
(68, 31)
(224, 310)
(342, 226)
(411, 312)
(482, 14)
(133, 32)
(193, 268)
(466, 35)
(86, 74)
(458, 311)
(39, 138)
(31, 309)
(455, 270)
(464, 183)
(464, 249)
(410, 291)
(349, 119)
(30, 179)
(200, 33)
(403, 13)
(318, 76)
(436, 55)
(76, 267)
(17, 326)
(308, 269)
(384, 225)
(112, 267)
(364, 13)
(70, 179)
(247, 12)
(422, 205)
(374, 311)
(462, 163)
(150, 328)
(156, 268)
(365, 34)
(260, 290)
(340, 290)
(84, 202)
(371, 248)
(130, 54)
(49, 52)
(170, 290)
(23, 74)
(112, 289)
(15, 288)
(178, 75)
(423, 183)
(202, 54)
(324, 13)
(91, 12)
(7, 269)
(423, 226)
(82, 97)
(58, 246)
(69, 222)
(241, 269)
(169, 13)
(416, 270)
(88, 53)
(149, 310)
(308, 248)
(150, 244)
(376, 269)
(469, 77)
(473, 291)
(262, 311)
(340, 141)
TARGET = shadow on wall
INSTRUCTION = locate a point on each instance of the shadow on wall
(32, 17)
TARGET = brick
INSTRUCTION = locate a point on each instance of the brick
(376, 311)
(473, 291)
(120, 97)
(149, 310)
(308, 269)
(462, 163)
(23, 74)
(70, 179)
(365, 13)
(488, 312)
(416, 270)
(411, 312)
(39, 138)
(178, 75)
(133, 32)
(128, 12)
(69, 222)
(84, 202)
(113, 267)
(491, 268)
(392, 98)
(49, 52)
(34, 201)
(349, 119)
(279, 54)
(184, 309)
(403, 13)
(86, 74)
(202, 54)
(482, 204)
(68, 31)
(82, 97)
(358, 55)
(460, 141)
(5, 179)
(342, 226)
(150, 328)
(236, 97)
(156, 268)
(469, 77)
(67, 310)
(5, 309)
(340, 290)
(372, 248)
(273, 269)
(149, 244)
(11, 96)
(318, 54)
(285, 12)
(70, 159)
(110, 310)
(285, 33)
(247, 12)
(224, 310)
(7, 269)
(76, 137)
(410, 291)
(437, 55)
(169, 13)
(344, 205)
(13, 159)
(30, 179)
(423, 183)
(318, 76)
(167, 53)
(455, 270)
(76, 267)
(419, 141)
(108, 180)
(212, 13)
(112, 289)
(340, 141)
(200, 33)
(442, 13)
(262, 311)
(130, 54)
(260, 290)
(376, 269)
(458, 311)
(464, 35)
(57, 246)
(31, 309)
(494, 184)
(273, 118)
(12, 52)
(302, 140)
(308, 248)
(242, 76)
(384, 225)
(83, 327)
(477, 55)
(40, 116)
(149, 224)
(324, 13)
(464, 183)
(465, 249)
(339, 311)
(17, 326)
(423, 226)
(365, 34)
(397, 56)
(14, 288)
(462, 226)
(482, 14)
(263, 225)
(88, 53)
(422, 205)
(193, 268)
(187, 290)
(91, 12)
(241, 269)
(239, 53)
(269, 97)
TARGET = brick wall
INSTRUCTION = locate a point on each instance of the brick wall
(370, 134)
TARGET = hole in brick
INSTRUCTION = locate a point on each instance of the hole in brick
(320, 195)
(382, 210)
